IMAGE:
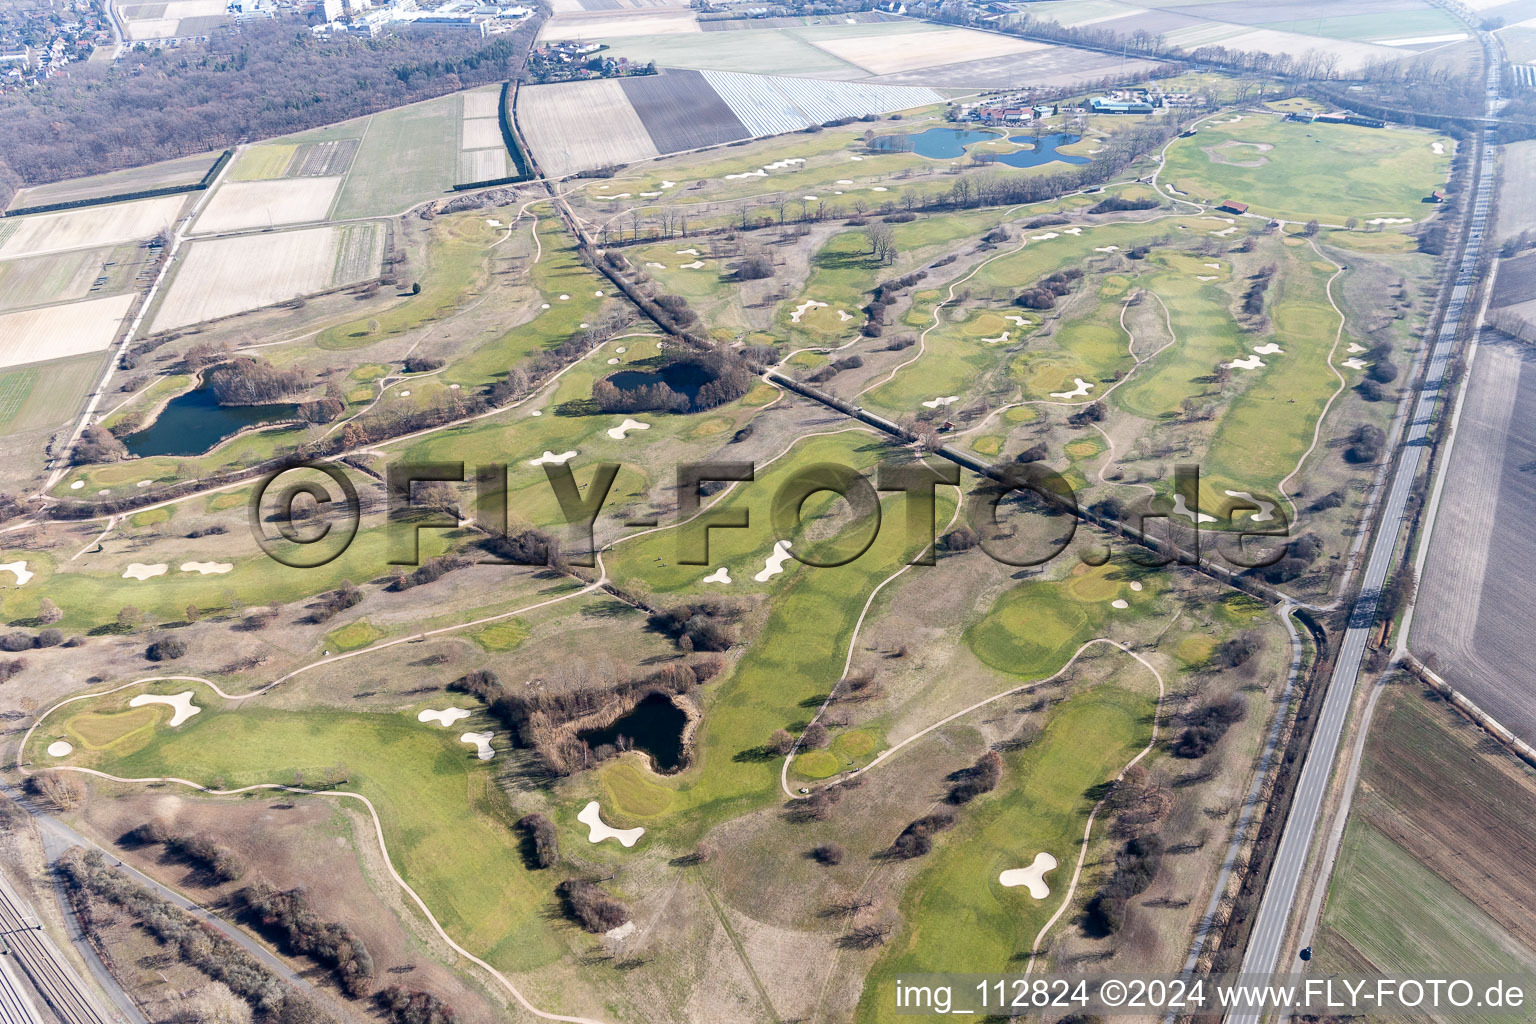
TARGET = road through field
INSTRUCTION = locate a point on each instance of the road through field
(1270, 928)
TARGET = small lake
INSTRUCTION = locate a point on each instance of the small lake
(194, 422)
(655, 726)
(684, 378)
(949, 143)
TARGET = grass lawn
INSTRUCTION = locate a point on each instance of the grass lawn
(260, 163)
(353, 636)
(1330, 172)
(956, 916)
(502, 636)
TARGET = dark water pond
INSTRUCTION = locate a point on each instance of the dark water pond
(655, 725)
(948, 143)
(684, 378)
(192, 423)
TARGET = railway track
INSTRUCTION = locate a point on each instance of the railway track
(28, 950)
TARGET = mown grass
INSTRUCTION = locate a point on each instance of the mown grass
(1330, 172)
(956, 917)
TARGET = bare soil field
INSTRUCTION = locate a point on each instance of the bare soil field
(1047, 66)
(545, 113)
(1471, 623)
(892, 53)
(483, 165)
(53, 332)
(241, 205)
(482, 103)
(231, 275)
(479, 133)
(94, 226)
(681, 111)
(1517, 190)
(1458, 802)
(186, 170)
(598, 24)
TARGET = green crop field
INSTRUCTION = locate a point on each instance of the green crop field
(407, 155)
(1331, 172)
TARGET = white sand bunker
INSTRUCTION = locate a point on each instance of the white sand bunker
(1390, 220)
(207, 568)
(1269, 349)
(59, 748)
(618, 432)
(1071, 231)
(77, 485)
(779, 165)
(620, 349)
(668, 184)
(1017, 321)
(565, 298)
(444, 718)
(844, 316)
(1000, 338)
(1437, 148)
(1245, 363)
(845, 181)
(1119, 602)
(1107, 248)
(803, 308)
(482, 744)
(879, 188)
(180, 704)
(591, 816)
(809, 199)
(720, 575)
(1266, 508)
(623, 931)
(776, 562)
(1353, 348)
(1081, 388)
(19, 570)
(613, 360)
(656, 266)
(1210, 277)
(1032, 877)
(553, 459)
(937, 402)
(140, 571)
(695, 265)
(1355, 364)
(1225, 231)
(1136, 585)
(759, 173)
(1213, 266)
(1181, 508)
(1047, 236)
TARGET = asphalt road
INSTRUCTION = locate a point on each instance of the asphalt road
(1270, 925)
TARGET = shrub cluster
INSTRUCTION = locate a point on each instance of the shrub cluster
(1136, 865)
(1205, 727)
(327, 942)
(332, 603)
(1048, 289)
(917, 838)
(591, 907)
(709, 623)
(544, 846)
(981, 777)
(1120, 204)
(410, 1006)
(247, 381)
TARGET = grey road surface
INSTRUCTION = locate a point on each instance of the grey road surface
(1270, 925)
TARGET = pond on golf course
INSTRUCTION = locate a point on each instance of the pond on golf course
(194, 422)
(655, 725)
(948, 143)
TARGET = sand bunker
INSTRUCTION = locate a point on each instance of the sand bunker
(937, 402)
(1081, 388)
(482, 744)
(592, 817)
(1045, 237)
(620, 349)
(553, 459)
(140, 571)
(1355, 364)
(845, 181)
(1245, 363)
(1000, 338)
(1211, 277)
(1071, 231)
(1224, 231)
(207, 568)
(1181, 508)
(1135, 585)
(77, 485)
(803, 308)
(695, 265)
(19, 570)
(1353, 348)
(59, 748)
(650, 195)
(720, 575)
(1032, 877)
(623, 931)
(776, 562)
(844, 316)
(613, 361)
(1107, 248)
(445, 717)
(1269, 349)
(809, 199)
(1017, 321)
(668, 184)
(1437, 148)
(759, 173)
(180, 704)
(565, 298)
(656, 266)
(1119, 602)
(618, 432)
(1390, 220)
(855, 158)
(1266, 508)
